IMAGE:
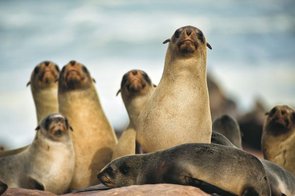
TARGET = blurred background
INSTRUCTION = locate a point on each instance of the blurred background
(252, 58)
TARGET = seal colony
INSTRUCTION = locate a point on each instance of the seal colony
(178, 111)
(46, 164)
(93, 138)
(172, 122)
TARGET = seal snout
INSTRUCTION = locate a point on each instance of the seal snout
(105, 177)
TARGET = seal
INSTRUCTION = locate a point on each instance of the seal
(136, 88)
(93, 138)
(228, 126)
(43, 83)
(178, 111)
(184, 164)
(282, 182)
(46, 164)
(278, 137)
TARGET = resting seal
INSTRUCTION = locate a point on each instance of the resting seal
(278, 137)
(178, 111)
(47, 163)
(93, 138)
(228, 127)
(44, 88)
(184, 164)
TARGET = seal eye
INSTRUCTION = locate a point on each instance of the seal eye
(124, 169)
(47, 123)
(57, 68)
(146, 77)
(177, 33)
(36, 70)
(272, 112)
(85, 70)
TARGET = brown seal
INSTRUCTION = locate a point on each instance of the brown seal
(136, 88)
(44, 88)
(184, 164)
(178, 111)
(229, 127)
(46, 164)
(278, 138)
(93, 138)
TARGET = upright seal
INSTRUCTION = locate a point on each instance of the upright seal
(93, 138)
(136, 88)
(46, 164)
(44, 88)
(178, 111)
(184, 164)
(278, 137)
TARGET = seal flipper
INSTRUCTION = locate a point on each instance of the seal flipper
(35, 184)
(208, 188)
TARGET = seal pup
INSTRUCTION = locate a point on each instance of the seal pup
(278, 137)
(229, 127)
(43, 84)
(93, 138)
(178, 111)
(184, 164)
(46, 164)
(136, 88)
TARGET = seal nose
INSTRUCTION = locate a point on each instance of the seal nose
(46, 63)
(72, 62)
(134, 72)
(188, 32)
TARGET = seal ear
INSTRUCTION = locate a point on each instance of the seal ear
(37, 128)
(209, 46)
(93, 80)
(28, 83)
(166, 41)
(154, 85)
(119, 91)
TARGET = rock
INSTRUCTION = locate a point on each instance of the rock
(26, 192)
(146, 190)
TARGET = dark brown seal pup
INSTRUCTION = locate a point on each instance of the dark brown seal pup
(213, 168)
(181, 100)
(278, 138)
(228, 126)
(46, 164)
(44, 88)
(93, 138)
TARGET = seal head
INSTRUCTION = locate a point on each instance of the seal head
(44, 75)
(280, 120)
(55, 127)
(74, 76)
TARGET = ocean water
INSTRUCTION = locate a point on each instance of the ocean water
(253, 49)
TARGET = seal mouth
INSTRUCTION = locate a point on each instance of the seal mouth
(277, 126)
(187, 46)
(106, 181)
(135, 85)
(48, 76)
